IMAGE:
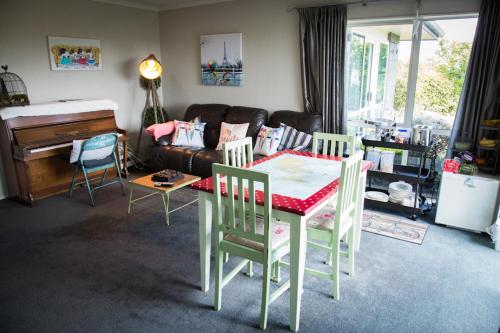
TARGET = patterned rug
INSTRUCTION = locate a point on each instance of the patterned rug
(394, 226)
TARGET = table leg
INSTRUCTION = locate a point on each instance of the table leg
(166, 200)
(205, 233)
(298, 243)
(130, 197)
(359, 210)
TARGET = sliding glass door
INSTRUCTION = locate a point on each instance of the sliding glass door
(409, 71)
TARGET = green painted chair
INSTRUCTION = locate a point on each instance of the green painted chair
(246, 230)
(327, 227)
(238, 153)
(97, 154)
(333, 144)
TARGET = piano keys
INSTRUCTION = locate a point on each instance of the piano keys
(35, 150)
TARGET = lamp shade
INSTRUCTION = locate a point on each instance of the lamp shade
(150, 68)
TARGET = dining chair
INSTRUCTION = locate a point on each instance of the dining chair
(331, 225)
(246, 230)
(333, 144)
(97, 154)
(238, 153)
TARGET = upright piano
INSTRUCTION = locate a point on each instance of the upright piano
(36, 149)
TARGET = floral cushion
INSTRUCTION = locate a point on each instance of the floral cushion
(188, 134)
(231, 132)
(268, 140)
(280, 235)
(325, 220)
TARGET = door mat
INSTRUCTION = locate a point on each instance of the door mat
(394, 227)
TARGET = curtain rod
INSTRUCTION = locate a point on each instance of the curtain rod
(346, 3)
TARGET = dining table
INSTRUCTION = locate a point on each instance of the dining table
(302, 183)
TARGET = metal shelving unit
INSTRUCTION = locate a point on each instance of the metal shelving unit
(492, 154)
(416, 176)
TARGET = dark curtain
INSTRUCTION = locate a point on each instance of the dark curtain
(480, 97)
(322, 52)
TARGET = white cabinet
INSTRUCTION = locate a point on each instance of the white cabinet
(467, 202)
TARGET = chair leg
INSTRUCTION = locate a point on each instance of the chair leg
(336, 266)
(89, 188)
(219, 263)
(276, 272)
(350, 251)
(266, 284)
(72, 183)
(120, 176)
(249, 268)
(226, 257)
(329, 255)
(104, 176)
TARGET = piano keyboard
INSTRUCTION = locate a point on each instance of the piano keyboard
(67, 144)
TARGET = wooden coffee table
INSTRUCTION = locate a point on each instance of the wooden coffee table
(147, 183)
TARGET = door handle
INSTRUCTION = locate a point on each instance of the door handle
(469, 183)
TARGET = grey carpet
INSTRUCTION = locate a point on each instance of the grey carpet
(68, 267)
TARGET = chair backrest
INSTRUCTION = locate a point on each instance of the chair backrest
(98, 147)
(238, 153)
(240, 214)
(349, 182)
(333, 144)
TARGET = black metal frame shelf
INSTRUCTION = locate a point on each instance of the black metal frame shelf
(413, 175)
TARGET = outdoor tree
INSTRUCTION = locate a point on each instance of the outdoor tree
(440, 79)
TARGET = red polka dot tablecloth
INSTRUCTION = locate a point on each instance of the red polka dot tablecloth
(283, 202)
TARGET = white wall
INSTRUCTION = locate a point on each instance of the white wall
(270, 48)
(127, 36)
(270, 55)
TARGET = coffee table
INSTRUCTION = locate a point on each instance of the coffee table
(146, 183)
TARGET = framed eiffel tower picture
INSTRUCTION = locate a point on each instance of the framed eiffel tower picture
(221, 60)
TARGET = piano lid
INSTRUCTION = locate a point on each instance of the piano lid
(58, 108)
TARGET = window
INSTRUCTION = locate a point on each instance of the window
(411, 71)
(442, 67)
(373, 61)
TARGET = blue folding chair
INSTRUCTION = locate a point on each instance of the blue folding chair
(91, 160)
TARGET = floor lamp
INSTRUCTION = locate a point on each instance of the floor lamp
(150, 69)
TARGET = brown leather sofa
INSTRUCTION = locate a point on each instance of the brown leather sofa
(198, 161)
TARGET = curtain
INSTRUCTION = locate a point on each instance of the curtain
(322, 57)
(480, 97)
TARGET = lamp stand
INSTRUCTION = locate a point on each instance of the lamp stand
(153, 94)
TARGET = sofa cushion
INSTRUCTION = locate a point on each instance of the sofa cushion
(268, 140)
(171, 157)
(242, 114)
(188, 134)
(203, 160)
(231, 132)
(213, 115)
(303, 122)
(293, 139)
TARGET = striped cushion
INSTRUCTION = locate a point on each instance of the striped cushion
(293, 139)
(288, 138)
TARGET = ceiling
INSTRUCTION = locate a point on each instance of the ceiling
(158, 5)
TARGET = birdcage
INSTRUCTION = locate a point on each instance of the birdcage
(12, 89)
